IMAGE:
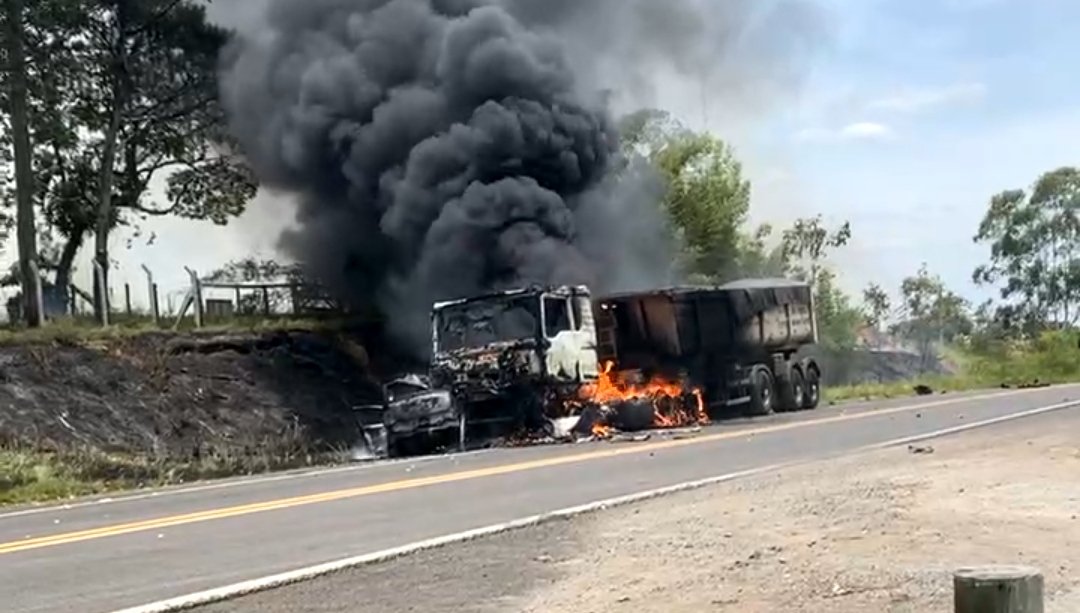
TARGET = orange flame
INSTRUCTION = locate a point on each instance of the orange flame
(601, 430)
(668, 400)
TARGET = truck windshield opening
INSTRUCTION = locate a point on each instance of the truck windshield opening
(478, 324)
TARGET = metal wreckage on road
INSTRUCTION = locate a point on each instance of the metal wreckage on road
(560, 364)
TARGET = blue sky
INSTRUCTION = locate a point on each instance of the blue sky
(915, 114)
(905, 118)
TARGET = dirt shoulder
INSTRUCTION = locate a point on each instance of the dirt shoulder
(881, 531)
(877, 532)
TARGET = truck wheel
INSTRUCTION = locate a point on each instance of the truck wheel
(797, 389)
(812, 396)
(790, 393)
(761, 392)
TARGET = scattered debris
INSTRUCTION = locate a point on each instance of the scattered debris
(920, 450)
(1033, 384)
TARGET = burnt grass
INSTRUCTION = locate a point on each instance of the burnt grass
(163, 408)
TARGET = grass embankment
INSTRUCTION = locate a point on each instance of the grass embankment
(31, 476)
(1053, 358)
(85, 329)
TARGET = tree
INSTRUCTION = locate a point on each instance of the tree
(707, 197)
(1035, 250)
(758, 259)
(24, 187)
(807, 243)
(877, 305)
(933, 313)
(838, 320)
(128, 93)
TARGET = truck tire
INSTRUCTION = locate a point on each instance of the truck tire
(794, 393)
(812, 395)
(762, 397)
(635, 415)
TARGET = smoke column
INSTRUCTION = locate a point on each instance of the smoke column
(439, 149)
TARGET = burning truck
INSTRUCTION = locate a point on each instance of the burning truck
(561, 363)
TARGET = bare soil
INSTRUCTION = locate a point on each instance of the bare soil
(876, 532)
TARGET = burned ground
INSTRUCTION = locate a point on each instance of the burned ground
(187, 397)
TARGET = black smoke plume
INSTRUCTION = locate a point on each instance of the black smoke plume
(439, 149)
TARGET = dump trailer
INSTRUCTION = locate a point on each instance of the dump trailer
(738, 343)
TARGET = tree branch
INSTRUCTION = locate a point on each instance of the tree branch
(168, 8)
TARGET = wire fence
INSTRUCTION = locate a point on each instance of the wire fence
(201, 301)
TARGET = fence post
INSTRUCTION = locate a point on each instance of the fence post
(998, 589)
(38, 297)
(151, 288)
(196, 288)
(266, 301)
(73, 305)
(127, 298)
(103, 292)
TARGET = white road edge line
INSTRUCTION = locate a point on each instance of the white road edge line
(262, 584)
(177, 490)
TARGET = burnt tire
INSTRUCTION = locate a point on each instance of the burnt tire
(812, 387)
(634, 415)
(762, 398)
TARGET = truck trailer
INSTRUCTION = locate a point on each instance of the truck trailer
(739, 342)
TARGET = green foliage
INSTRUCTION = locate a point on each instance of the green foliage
(838, 319)
(145, 74)
(707, 198)
(1051, 358)
(1035, 252)
(877, 304)
(758, 259)
(28, 476)
(708, 203)
(807, 243)
(933, 314)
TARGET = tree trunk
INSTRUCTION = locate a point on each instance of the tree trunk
(26, 232)
(65, 265)
(108, 159)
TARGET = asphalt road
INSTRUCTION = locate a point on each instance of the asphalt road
(110, 554)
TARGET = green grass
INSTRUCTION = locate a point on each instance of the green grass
(31, 477)
(898, 389)
(83, 329)
(1053, 358)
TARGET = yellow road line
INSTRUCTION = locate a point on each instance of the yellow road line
(493, 471)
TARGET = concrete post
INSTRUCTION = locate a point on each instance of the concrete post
(197, 296)
(998, 589)
(151, 289)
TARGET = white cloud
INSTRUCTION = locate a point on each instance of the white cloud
(861, 130)
(926, 99)
(866, 130)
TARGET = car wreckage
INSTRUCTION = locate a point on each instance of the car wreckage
(557, 363)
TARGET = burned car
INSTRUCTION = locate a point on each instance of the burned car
(507, 357)
(413, 418)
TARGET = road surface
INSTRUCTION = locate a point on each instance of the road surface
(109, 555)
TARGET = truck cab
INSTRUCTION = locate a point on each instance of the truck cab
(538, 336)
(499, 352)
